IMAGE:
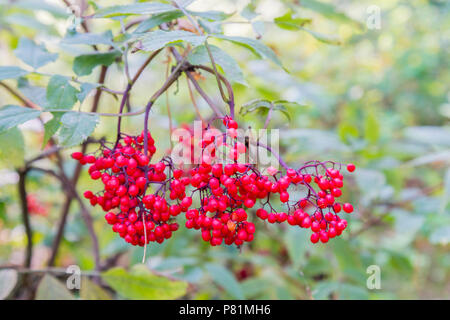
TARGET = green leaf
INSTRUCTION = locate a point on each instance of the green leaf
(288, 22)
(231, 68)
(60, 93)
(12, 147)
(135, 8)
(91, 291)
(11, 72)
(33, 54)
(158, 19)
(8, 281)
(158, 39)
(50, 128)
(85, 89)
(249, 12)
(11, 116)
(35, 94)
(84, 64)
(140, 283)
(224, 278)
(76, 127)
(257, 47)
(324, 38)
(262, 106)
(51, 289)
(329, 11)
(89, 38)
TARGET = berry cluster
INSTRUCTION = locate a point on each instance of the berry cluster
(126, 174)
(142, 200)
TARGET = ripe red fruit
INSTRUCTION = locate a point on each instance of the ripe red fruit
(77, 155)
(351, 167)
(347, 207)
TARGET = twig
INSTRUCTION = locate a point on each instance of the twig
(25, 216)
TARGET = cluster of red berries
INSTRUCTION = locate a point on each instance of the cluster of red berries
(321, 204)
(226, 192)
(35, 206)
(126, 174)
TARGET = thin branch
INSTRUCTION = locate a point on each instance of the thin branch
(194, 102)
(25, 216)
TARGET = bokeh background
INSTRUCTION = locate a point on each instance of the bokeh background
(379, 99)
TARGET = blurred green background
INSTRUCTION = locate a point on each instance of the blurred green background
(380, 99)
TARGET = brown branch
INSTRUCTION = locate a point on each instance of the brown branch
(25, 216)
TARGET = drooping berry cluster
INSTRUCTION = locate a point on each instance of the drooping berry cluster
(127, 175)
(142, 199)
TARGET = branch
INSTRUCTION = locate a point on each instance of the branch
(25, 216)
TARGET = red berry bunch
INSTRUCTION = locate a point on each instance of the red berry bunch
(35, 206)
(142, 199)
(319, 209)
(127, 175)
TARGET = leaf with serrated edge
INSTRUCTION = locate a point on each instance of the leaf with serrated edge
(11, 116)
(60, 93)
(33, 54)
(231, 68)
(76, 127)
(84, 64)
(11, 72)
(12, 147)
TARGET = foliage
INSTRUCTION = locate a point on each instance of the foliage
(377, 98)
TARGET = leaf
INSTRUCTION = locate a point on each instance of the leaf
(231, 68)
(8, 281)
(84, 64)
(11, 116)
(50, 128)
(142, 284)
(158, 19)
(89, 38)
(11, 72)
(50, 288)
(135, 8)
(249, 12)
(158, 39)
(224, 278)
(12, 147)
(91, 291)
(323, 38)
(257, 47)
(85, 89)
(76, 127)
(35, 94)
(262, 106)
(33, 54)
(60, 94)
(441, 236)
(288, 22)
